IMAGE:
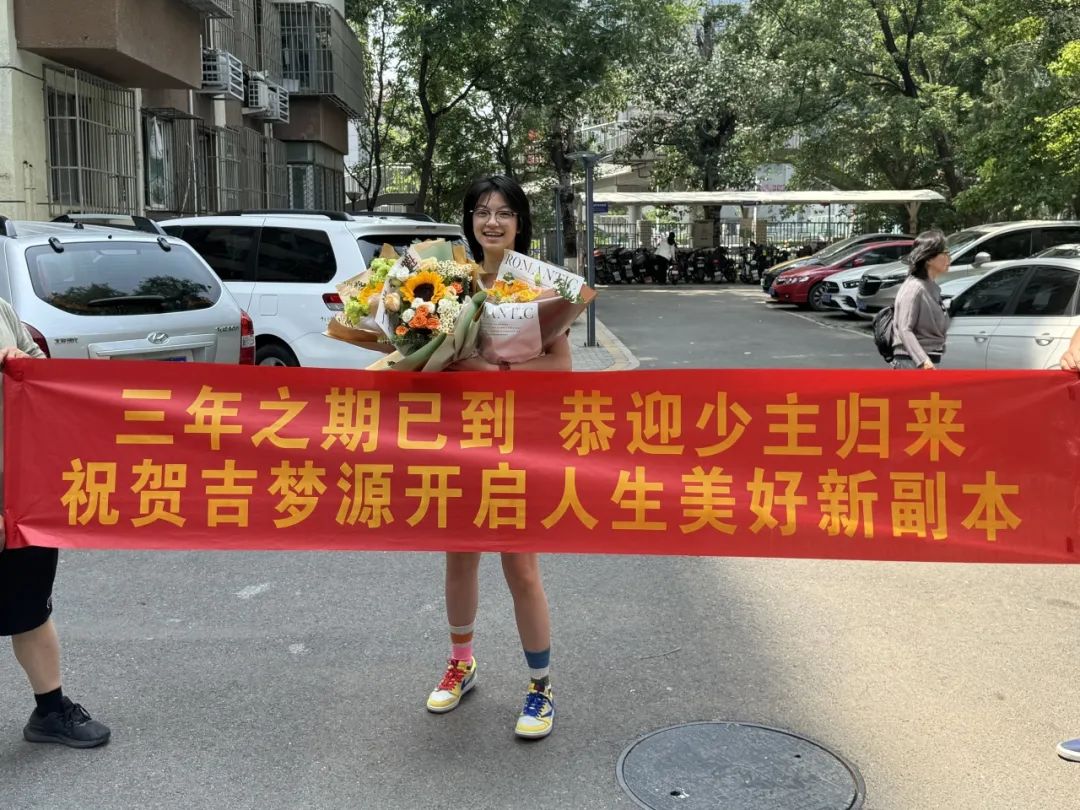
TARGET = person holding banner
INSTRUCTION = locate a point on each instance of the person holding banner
(919, 318)
(1070, 361)
(496, 219)
(26, 582)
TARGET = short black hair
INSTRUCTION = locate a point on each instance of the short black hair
(514, 195)
(928, 245)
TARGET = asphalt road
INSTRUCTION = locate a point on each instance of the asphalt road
(273, 680)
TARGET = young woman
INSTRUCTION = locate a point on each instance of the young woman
(919, 319)
(496, 219)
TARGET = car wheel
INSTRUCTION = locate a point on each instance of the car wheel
(273, 354)
(814, 299)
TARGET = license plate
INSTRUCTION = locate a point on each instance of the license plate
(826, 298)
(861, 307)
(173, 359)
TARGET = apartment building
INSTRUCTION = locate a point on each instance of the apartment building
(174, 107)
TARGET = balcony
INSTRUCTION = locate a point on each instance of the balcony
(210, 8)
(134, 43)
(321, 55)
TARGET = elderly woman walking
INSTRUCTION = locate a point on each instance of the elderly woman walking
(919, 318)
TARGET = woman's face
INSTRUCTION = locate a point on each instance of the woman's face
(939, 265)
(494, 222)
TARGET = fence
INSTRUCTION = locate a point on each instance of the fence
(322, 56)
(237, 34)
(176, 147)
(91, 131)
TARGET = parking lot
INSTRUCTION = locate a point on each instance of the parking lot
(283, 680)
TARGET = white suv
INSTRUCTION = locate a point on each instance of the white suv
(103, 293)
(284, 268)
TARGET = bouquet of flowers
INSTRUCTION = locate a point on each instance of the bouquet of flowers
(360, 295)
(530, 304)
(429, 308)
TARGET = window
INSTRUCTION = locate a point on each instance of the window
(1015, 245)
(91, 127)
(989, 296)
(121, 278)
(1049, 237)
(227, 250)
(371, 245)
(1049, 291)
(295, 256)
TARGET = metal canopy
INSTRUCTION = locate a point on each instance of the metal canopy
(893, 197)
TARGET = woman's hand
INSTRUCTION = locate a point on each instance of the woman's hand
(1070, 361)
(11, 353)
(474, 363)
(929, 365)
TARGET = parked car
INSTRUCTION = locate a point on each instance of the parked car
(841, 289)
(284, 268)
(974, 251)
(86, 291)
(806, 285)
(1021, 315)
(1066, 251)
(828, 252)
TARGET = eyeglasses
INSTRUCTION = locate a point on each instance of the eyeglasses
(502, 216)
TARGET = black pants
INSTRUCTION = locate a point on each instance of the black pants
(26, 583)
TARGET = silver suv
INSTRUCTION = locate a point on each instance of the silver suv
(284, 268)
(88, 292)
(974, 251)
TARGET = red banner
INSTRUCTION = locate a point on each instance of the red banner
(941, 466)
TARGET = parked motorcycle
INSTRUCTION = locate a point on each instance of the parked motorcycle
(641, 262)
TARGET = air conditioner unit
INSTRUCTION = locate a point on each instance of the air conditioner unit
(222, 74)
(261, 97)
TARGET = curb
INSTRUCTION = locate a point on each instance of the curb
(622, 359)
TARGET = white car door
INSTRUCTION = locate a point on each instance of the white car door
(229, 250)
(976, 313)
(1035, 331)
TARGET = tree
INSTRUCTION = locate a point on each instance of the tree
(569, 59)
(386, 102)
(450, 49)
(888, 89)
(1021, 166)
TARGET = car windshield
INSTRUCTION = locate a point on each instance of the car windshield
(121, 278)
(370, 246)
(962, 240)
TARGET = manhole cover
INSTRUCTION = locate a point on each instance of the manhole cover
(736, 766)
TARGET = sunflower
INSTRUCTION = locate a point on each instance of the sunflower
(425, 285)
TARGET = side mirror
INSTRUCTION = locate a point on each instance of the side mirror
(946, 303)
(981, 258)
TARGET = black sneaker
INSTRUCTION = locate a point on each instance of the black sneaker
(72, 727)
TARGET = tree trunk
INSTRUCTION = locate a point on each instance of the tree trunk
(427, 163)
(557, 149)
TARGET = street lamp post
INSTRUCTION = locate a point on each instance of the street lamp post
(589, 161)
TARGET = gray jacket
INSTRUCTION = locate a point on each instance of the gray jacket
(919, 320)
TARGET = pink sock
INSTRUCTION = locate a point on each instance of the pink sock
(461, 639)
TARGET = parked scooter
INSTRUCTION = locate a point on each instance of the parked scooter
(641, 262)
(624, 263)
(603, 269)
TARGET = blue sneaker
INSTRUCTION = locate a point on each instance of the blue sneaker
(538, 717)
(1070, 750)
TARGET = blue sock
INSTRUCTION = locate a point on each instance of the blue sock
(539, 666)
